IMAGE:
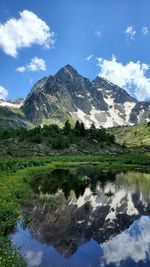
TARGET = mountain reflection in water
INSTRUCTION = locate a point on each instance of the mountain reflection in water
(86, 224)
(130, 248)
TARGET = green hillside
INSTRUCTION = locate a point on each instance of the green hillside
(12, 118)
(132, 136)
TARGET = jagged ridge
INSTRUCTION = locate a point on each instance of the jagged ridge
(68, 95)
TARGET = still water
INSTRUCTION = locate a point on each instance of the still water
(91, 218)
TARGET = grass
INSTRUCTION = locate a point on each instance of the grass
(127, 161)
(132, 136)
(8, 256)
(16, 173)
(13, 192)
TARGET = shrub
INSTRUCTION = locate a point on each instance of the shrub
(37, 138)
(60, 143)
(148, 124)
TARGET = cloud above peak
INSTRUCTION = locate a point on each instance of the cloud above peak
(35, 64)
(26, 31)
(130, 76)
(3, 92)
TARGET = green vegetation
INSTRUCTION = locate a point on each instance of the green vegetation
(130, 160)
(60, 142)
(56, 137)
(16, 181)
(13, 118)
(18, 169)
(132, 136)
(14, 190)
(16, 164)
(53, 140)
(9, 257)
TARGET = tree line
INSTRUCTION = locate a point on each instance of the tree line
(58, 137)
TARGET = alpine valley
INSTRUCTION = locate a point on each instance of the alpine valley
(68, 95)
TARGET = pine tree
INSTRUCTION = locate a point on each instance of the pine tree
(82, 129)
(67, 128)
(77, 128)
(92, 131)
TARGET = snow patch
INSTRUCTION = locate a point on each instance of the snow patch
(10, 104)
(128, 106)
(81, 96)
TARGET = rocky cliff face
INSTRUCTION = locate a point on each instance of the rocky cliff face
(12, 118)
(140, 112)
(68, 95)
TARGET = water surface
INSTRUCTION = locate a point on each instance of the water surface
(87, 217)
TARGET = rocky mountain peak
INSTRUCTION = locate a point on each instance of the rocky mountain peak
(101, 81)
(69, 95)
(67, 72)
(109, 89)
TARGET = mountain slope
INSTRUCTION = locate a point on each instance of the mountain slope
(140, 112)
(17, 103)
(11, 118)
(132, 136)
(68, 95)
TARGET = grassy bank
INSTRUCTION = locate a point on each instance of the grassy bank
(14, 191)
(14, 178)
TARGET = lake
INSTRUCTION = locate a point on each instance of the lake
(87, 217)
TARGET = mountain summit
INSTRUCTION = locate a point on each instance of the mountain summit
(69, 95)
(67, 72)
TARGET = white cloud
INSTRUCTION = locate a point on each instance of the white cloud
(26, 31)
(3, 92)
(89, 57)
(130, 32)
(35, 64)
(145, 30)
(130, 75)
(98, 34)
(34, 257)
(127, 245)
(21, 69)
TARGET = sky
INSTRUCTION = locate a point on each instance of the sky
(109, 38)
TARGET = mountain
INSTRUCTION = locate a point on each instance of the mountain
(140, 112)
(17, 103)
(12, 118)
(68, 95)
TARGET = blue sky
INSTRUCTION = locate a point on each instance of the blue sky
(110, 38)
